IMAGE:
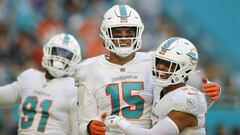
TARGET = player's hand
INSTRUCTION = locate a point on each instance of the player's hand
(211, 89)
(112, 120)
(96, 127)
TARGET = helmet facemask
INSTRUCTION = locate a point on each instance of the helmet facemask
(61, 59)
(59, 62)
(123, 45)
(165, 72)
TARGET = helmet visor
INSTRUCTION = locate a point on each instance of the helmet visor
(62, 52)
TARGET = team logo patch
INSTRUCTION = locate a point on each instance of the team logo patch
(193, 57)
(190, 102)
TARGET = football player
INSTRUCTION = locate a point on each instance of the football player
(179, 108)
(48, 99)
(119, 83)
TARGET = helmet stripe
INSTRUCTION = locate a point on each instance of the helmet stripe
(167, 45)
(66, 39)
(123, 13)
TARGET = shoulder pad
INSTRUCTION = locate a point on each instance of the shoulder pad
(29, 73)
(31, 78)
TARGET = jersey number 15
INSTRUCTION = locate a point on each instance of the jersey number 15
(133, 100)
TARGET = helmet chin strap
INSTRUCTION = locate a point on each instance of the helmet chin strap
(123, 54)
(123, 51)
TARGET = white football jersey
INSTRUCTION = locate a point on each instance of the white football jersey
(124, 90)
(185, 99)
(47, 106)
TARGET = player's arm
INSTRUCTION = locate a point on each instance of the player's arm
(9, 94)
(173, 124)
(73, 114)
(165, 126)
(183, 120)
(88, 113)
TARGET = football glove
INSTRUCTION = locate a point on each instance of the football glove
(211, 89)
(97, 127)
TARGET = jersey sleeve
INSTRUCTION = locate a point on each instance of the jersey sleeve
(9, 94)
(189, 101)
(87, 108)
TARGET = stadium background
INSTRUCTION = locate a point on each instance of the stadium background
(213, 26)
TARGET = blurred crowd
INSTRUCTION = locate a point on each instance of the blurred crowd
(25, 25)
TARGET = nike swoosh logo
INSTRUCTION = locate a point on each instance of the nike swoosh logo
(190, 93)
